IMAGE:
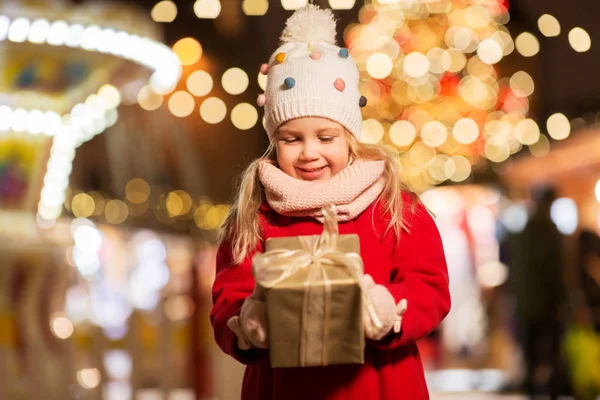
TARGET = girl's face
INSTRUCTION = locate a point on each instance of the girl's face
(311, 148)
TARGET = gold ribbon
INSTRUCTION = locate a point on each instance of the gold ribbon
(275, 266)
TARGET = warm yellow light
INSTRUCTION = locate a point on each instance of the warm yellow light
(421, 154)
(489, 51)
(462, 38)
(110, 95)
(188, 50)
(293, 4)
(255, 7)
(439, 60)
(186, 201)
(244, 116)
(521, 83)
(181, 104)
(148, 99)
(235, 81)
(83, 205)
(207, 9)
(558, 126)
(437, 167)
(372, 131)
(505, 41)
(137, 191)
(416, 64)
(477, 16)
(164, 11)
(402, 133)
(213, 110)
(459, 60)
(541, 148)
(497, 150)
(61, 327)
(262, 81)
(175, 204)
(89, 378)
(473, 90)
(199, 83)
(527, 44)
(462, 169)
(434, 134)
(465, 131)
(342, 4)
(549, 25)
(527, 131)
(379, 65)
(116, 212)
(580, 40)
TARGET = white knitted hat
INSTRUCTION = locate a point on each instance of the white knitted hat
(310, 76)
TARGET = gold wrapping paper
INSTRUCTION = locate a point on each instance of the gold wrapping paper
(297, 316)
(314, 298)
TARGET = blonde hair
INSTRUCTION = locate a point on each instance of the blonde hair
(242, 228)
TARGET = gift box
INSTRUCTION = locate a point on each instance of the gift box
(313, 297)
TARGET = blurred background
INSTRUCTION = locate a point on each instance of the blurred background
(123, 127)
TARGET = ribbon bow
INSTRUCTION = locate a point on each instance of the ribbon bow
(274, 266)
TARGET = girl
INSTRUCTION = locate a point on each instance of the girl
(313, 119)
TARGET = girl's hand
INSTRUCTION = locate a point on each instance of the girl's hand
(389, 313)
(251, 325)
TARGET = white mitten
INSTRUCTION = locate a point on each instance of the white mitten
(251, 325)
(389, 313)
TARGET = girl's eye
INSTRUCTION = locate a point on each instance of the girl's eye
(290, 140)
(326, 139)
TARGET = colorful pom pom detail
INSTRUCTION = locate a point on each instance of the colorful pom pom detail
(339, 84)
(315, 55)
(261, 100)
(343, 53)
(289, 83)
(264, 69)
(280, 57)
(362, 101)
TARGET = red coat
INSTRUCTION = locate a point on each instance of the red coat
(414, 269)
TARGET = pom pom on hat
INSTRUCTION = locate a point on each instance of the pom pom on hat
(310, 76)
(310, 24)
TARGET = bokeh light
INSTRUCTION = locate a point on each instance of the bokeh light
(465, 131)
(521, 83)
(527, 44)
(244, 116)
(164, 11)
(549, 25)
(558, 126)
(116, 212)
(527, 131)
(213, 110)
(379, 65)
(181, 104)
(580, 40)
(148, 99)
(199, 83)
(293, 4)
(255, 7)
(372, 131)
(402, 133)
(207, 9)
(188, 50)
(235, 81)
(137, 191)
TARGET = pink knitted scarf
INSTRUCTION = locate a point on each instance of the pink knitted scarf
(352, 190)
